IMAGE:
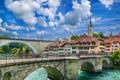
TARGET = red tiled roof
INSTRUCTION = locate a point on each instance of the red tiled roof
(112, 39)
(82, 39)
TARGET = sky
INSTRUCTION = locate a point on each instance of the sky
(53, 19)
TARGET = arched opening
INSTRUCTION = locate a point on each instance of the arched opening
(54, 73)
(45, 73)
(7, 76)
(105, 64)
(18, 48)
(87, 66)
(37, 74)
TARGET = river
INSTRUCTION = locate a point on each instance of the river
(107, 74)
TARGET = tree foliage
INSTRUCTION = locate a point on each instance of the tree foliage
(1, 50)
(99, 35)
(4, 37)
(6, 48)
(116, 58)
(73, 37)
(17, 49)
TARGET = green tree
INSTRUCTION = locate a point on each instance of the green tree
(1, 50)
(6, 48)
(116, 58)
(99, 35)
(73, 37)
(14, 50)
(4, 36)
(95, 35)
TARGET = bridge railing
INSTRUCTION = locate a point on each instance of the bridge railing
(30, 57)
(15, 59)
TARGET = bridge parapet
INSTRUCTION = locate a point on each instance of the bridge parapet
(68, 66)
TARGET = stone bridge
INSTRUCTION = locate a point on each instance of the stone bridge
(66, 67)
(36, 45)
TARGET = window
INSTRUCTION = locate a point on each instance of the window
(92, 47)
(73, 52)
(93, 43)
(73, 47)
(88, 43)
(80, 47)
(80, 43)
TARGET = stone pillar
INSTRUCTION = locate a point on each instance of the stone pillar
(71, 70)
(98, 65)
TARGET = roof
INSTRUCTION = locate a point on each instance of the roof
(113, 39)
(83, 39)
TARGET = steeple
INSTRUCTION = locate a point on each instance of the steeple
(90, 22)
(90, 28)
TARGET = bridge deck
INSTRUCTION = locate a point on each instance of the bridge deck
(12, 61)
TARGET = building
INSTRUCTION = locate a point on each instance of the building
(112, 43)
(85, 44)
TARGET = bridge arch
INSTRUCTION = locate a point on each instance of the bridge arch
(54, 73)
(105, 63)
(7, 76)
(23, 42)
(87, 66)
(49, 72)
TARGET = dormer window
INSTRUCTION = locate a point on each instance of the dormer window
(93, 43)
(88, 43)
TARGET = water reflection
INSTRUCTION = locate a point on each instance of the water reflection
(38, 74)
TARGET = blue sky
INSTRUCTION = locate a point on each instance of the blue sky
(53, 19)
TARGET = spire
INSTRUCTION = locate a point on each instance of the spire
(90, 25)
(90, 28)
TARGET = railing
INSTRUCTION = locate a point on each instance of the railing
(23, 59)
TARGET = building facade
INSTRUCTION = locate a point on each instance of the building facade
(112, 43)
(83, 45)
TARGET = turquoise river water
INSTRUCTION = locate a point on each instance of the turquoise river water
(107, 74)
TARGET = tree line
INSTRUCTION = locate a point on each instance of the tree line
(16, 49)
(96, 35)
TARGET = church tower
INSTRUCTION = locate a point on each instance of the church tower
(90, 28)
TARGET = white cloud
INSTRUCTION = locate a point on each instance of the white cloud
(73, 18)
(107, 3)
(3, 29)
(80, 11)
(41, 33)
(14, 33)
(12, 27)
(42, 21)
(62, 18)
(53, 3)
(1, 20)
(51, 24)
(49, 12)
(24, 9)
(96, 19)
(32, 28)
(68, 28)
